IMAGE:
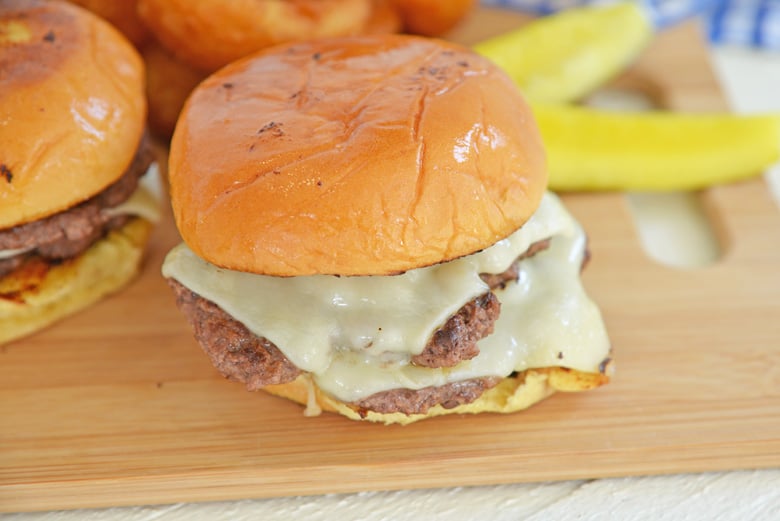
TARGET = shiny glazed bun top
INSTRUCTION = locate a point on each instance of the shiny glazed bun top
(72, 107)
(353, 156)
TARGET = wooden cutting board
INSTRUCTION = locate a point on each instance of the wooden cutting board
(118, 406)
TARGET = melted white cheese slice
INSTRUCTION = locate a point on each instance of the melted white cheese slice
(356, 335)
(7, 254)
(143, 202)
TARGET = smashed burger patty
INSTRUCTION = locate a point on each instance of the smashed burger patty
(67, 234)
(242, 356)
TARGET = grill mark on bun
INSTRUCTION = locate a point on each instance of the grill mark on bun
(6, 173)
(41, 58)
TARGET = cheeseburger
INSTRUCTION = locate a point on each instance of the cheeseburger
(366, 230)
(73, 217)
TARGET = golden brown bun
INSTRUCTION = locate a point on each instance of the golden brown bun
(512, 394)
(169, 80)
(72, 111)
(211, 33)
(432, 17)
(354, 156)
(384, 19)
(168, 83)
(122, 14)
(38, 294)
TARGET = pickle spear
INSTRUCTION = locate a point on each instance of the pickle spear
(591, 149)
(563, 57)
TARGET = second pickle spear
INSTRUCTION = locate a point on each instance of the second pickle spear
(591, 149)
(562, 57)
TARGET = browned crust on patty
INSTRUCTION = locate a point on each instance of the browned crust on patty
(235, 351)
(418, 401)
(457, 339)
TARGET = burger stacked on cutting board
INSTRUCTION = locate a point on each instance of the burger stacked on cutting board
(74, 214)
(366, 230)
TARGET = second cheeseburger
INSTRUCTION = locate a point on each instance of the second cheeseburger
(77, 181)
(366, 230)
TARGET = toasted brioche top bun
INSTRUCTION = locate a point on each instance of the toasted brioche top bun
(353, 156)
(72, 105)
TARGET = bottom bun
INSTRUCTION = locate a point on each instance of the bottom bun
(512, 394)
(38, 293)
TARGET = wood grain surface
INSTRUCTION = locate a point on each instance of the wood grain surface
(117, 405)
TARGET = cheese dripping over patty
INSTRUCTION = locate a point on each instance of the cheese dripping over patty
(356, 335)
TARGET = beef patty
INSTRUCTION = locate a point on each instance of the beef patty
(243, 356)
(235, 351)
(68, 233)
(418, 401)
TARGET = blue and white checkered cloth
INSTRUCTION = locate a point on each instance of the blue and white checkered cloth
(746, 22)
(743, 22)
